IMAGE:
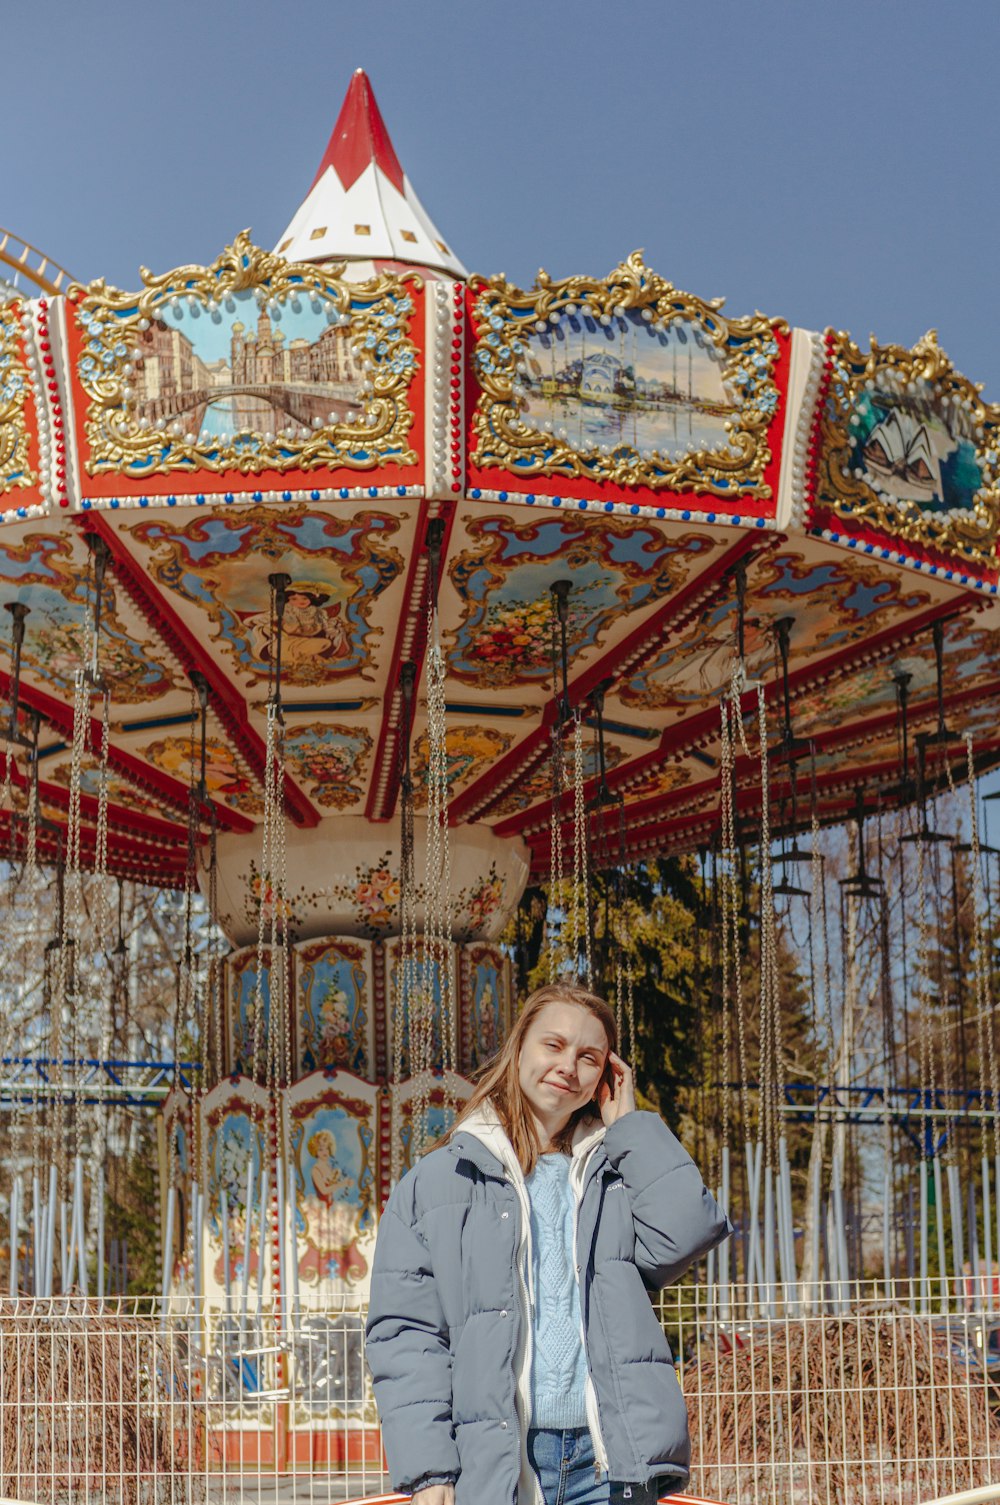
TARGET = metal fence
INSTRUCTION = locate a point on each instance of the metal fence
(849, 1397)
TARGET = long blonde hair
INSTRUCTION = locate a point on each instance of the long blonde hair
(499, 1083)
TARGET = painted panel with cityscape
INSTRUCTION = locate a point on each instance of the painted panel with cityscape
(252, 364)
(246, 370)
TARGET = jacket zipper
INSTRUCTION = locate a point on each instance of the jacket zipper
(527, 1476)
(590, 1394)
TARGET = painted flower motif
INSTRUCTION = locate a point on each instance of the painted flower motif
(485, 902)
(518, 636)
(378, 896)
(262, 891)
(335, 1029)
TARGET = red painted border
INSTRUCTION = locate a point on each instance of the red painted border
(413, 617)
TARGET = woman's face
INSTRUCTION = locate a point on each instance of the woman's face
(562, 1058)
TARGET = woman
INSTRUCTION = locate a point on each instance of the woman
(515, 1352)
(326, 1176)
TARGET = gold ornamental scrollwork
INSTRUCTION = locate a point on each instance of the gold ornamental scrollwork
(910, 448)
(739, 355)
(15, 472)
(250, 335)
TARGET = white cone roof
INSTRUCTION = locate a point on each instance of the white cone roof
(362, 206)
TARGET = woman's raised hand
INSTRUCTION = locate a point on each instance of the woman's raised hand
(617, 1097)
(435, 1494)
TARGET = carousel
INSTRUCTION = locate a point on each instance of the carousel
(356, 596)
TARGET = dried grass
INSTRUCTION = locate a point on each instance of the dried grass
(88, 1402)
(838, 1409)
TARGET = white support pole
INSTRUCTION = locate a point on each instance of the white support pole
(840, 1237)
(789, 1269)
(80, 1224)
(770, 1272)
(755, 1256)
(37, 1232)
(279, 1182)
(50, 1233)
(957, 1212)
(724, 1256)
(226, 1271)
(987, 1237)
(14, 1223)
(815, 1302)
(98, 1192)
(65, 1247)
(996, 1210)
(925, 1289)
(939, 1225)
(247, 1220)
(196, 1229)
(293, 1243)
(168, 1253)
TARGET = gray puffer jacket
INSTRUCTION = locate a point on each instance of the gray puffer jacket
(450, 1316)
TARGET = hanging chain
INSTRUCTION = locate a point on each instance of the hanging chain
(216, 998)
(440, 872)
(435, 993)
(555, 895)
(67, 1002)
(986, 1046)
(768, 927)
(555, 808)
(731, 957)
(926, 1051)
(580, 929)
(623, 964)
(265, 896)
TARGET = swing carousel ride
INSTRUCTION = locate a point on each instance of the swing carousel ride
(363, 592)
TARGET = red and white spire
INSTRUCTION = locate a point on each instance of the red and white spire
(362, 206)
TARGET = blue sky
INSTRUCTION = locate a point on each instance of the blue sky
(834, 163)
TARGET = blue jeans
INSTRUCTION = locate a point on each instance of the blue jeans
(563, 1459)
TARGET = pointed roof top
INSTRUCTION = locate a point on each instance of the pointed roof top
(361, 206)
(360, 137)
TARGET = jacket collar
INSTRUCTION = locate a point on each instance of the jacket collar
(481, 1139)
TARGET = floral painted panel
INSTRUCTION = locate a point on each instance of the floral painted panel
(504, 581)
(247, 1040)
(486, 1003)
(334, 1006)
(330, 761)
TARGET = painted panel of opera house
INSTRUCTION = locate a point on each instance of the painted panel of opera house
(619, 382)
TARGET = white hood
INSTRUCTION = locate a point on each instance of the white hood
(484, 1124)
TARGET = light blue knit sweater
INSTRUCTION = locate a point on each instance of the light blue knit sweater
(559, 1365)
